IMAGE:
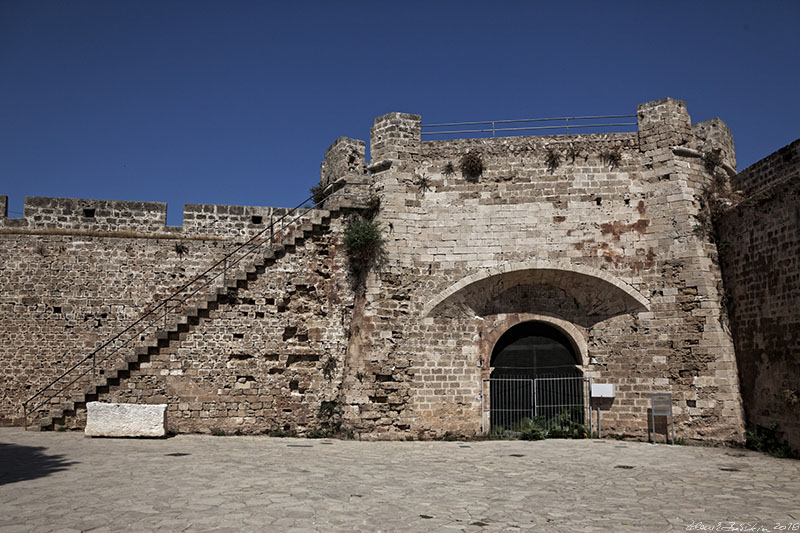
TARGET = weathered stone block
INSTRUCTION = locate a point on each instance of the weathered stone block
(125, 420)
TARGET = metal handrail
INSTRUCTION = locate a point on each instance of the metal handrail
(164, 304)
(565, 124)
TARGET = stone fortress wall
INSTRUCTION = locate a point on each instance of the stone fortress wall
(602, 245)
(759, 241)
(76, 271)
(607, 254)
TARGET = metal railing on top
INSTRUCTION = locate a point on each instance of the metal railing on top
(173, 304)
(528, 124)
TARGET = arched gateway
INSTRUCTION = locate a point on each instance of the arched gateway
(537, 314)
(535, 375)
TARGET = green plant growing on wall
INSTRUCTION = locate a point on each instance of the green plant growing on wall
(329, 421)
(317, 193)
(611, 157)
(767, 440)
(448, 169)
(423, 184)
(553, 159)
(329, 368)
(471, 166)
(573, 153)
(715, 198)
(712, 160)
(363, 241)
(282, 432)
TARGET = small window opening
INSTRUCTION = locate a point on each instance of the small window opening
(88, 212)
(256, 219)
(57, 310)
(598, 201)
(627, 201)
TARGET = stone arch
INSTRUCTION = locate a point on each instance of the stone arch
(573, 333)
(599, 294)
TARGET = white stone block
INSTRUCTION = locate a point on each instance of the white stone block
(125, 420)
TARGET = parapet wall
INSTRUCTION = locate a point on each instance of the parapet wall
(767, 173)
(129, 219)
(572, 149)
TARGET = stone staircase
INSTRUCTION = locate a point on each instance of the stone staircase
(249, 269)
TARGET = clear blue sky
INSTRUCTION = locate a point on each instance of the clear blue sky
(235, 102)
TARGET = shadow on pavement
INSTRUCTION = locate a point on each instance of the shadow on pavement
(20, 463)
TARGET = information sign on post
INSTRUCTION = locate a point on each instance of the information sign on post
(661, 405)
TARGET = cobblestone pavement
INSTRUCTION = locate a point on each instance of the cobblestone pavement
(66, 482)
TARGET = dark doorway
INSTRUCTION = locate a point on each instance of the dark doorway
(536, 378)
(534, 349)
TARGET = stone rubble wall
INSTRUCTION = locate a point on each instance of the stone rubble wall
(269, 359)
(61, 296)
(68, 284)
(760, 251)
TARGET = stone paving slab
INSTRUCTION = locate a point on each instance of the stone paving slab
(67, 482)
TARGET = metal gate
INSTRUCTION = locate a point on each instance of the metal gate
(558, 404)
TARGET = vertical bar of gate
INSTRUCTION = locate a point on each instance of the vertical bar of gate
(532, 394)
(503, 393)
(552, 401)
(483, 425)
(563, 401)
(508, 398)
(559, 401)
(578, 415)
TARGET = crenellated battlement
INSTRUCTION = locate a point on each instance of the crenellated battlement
(131, 219)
